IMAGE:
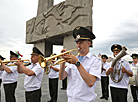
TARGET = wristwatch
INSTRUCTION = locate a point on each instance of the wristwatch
(77, 63)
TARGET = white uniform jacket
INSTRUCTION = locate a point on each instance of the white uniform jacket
(33, 82)
(8, 78)
(78, 90)
(125, 80)
(105, 66)
(133, 65)
(54, 74)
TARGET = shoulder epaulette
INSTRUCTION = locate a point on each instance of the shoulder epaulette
(97, 57)
(125, 60)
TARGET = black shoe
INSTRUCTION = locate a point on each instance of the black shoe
(63, 89)
(102, 97)
(106, 98)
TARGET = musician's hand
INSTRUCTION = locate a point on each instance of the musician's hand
(3, 64)
(103, 69)
(102, 65)
(50, 66)
(111, 70)
(70, 58)
(63, 50)
(18, 63)
(124, 70)
(65, 66)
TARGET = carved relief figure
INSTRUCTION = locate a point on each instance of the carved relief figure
(61, 18)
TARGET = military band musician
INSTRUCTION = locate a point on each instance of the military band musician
(134, 88)
(119, 89)
(9, 78)
(33, 77)
(1, 72)
(83, 71)
(53, 81)
(104, 78)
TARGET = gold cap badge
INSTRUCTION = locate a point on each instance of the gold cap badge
(78, 28)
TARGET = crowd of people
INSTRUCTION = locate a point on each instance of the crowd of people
(82, 71)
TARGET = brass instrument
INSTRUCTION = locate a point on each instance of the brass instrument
(116, 65)
(45, 62)
(47, 68)
(6, 62)
(48, 63)
(42, 61)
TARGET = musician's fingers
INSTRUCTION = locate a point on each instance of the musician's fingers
(123, 70)
(63, 50)
(69, 61)
(67, 57)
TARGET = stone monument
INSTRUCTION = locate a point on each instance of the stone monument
(54, 24)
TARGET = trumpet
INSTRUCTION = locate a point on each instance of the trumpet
(6, 62)
(42, 61)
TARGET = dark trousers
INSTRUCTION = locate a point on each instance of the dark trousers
(10, 92)
(0, 89)
(33, 96)
(64, 83)
(104, 85)
(118, 94)
(134, 92)
(53, 89)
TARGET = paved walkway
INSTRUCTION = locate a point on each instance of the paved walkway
(62, 97)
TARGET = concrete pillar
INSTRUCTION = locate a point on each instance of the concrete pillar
(48, 49)
(45, 47)
(40, 46)
(69, 43)
(43, 5)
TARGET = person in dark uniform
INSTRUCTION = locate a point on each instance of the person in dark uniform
(119, 89)
(134, 88)
(1, 58)
(33, 77)
(53, 81)
(104, 78)
(9, 78)
(64, 82)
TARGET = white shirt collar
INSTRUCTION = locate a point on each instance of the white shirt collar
(88, 55)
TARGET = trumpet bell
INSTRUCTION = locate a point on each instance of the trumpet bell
(42, 61)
